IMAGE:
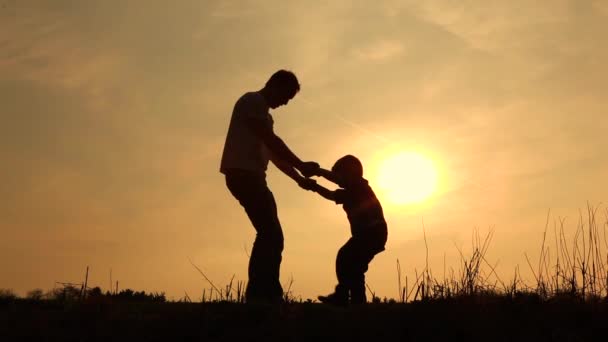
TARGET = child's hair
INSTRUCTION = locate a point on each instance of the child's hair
(349, 166)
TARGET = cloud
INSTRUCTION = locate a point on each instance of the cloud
(234, 9)
(45, 50)
(494, 26)
(601, 6)
(380, 51)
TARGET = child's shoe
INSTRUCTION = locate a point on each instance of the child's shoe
(335, 299)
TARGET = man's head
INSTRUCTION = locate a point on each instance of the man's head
(282, 86)
(348, 170)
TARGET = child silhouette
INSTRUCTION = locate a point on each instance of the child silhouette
(367, 225)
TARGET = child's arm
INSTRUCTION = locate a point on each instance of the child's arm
(321, 190)
(327, 175)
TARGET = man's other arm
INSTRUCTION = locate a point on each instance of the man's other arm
(287, 169)
(278, 148)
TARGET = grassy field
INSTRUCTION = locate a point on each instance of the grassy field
(486, 318)
(566, 301)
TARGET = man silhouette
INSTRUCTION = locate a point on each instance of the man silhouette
(250, 144)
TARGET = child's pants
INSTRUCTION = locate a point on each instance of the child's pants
(351, 264)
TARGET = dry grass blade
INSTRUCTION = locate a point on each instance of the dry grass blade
(204, 276)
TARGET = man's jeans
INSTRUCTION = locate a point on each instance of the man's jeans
(251, 191)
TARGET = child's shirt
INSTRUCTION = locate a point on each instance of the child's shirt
(363, 210)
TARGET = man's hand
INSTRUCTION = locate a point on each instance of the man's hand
(307, 183)
(309, 169)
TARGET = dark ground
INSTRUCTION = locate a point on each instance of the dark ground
(463, 319)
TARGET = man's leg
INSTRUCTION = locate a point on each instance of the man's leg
(265, 259)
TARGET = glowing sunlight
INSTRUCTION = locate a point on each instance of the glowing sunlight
(406, 177)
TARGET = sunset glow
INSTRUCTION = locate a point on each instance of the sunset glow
(464, 115)
(406, 177)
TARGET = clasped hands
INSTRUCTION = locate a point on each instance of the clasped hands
(308, 169)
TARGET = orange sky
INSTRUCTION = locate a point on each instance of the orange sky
(114, 115)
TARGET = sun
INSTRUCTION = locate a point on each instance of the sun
(406, 178)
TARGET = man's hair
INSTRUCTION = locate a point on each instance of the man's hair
(348, 165)
(284, 80)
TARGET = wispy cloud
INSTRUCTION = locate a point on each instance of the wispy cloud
(380, 51)
(601, 6)
(235, 9)
(494, 25)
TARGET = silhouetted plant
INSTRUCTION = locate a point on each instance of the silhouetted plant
(96, 292)
(7, 296)
(129, 295)
(580, 271)
(35, 294)
(68, 293)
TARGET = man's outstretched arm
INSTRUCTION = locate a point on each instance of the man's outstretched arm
(289, 171)
(279, 149)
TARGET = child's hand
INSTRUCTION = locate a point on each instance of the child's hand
(307, 183)
(309, 169)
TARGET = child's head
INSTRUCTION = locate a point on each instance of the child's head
(348, 170)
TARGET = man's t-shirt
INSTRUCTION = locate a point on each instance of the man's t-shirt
(363, 210)
(243, 149)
